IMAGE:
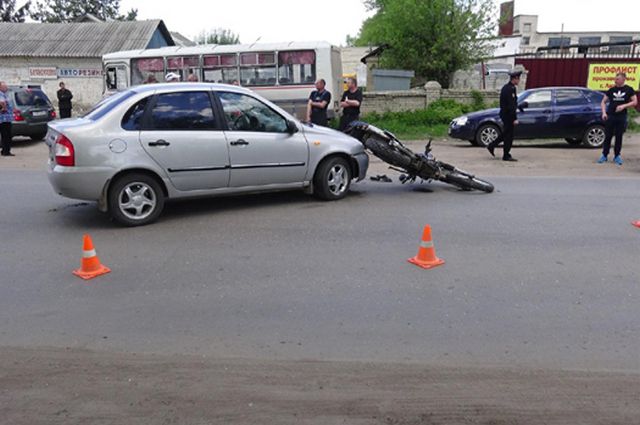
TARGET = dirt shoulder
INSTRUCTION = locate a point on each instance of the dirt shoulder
(536, 158)
(58, 386)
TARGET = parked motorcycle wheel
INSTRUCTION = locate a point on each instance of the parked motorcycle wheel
(468, 182)
(388, 154)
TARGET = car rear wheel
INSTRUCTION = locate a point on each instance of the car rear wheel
(332, 179)
(594, 136)
(573, 142)
(487, 133)
(135, 199)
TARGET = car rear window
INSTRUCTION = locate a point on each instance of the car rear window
(31, 97)
(107, 104)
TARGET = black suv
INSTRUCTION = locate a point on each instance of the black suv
(32, 110)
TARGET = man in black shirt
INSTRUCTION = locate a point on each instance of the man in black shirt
(508, 115)
(64, 101)
(319, 102)
(350, 104)
(620, 98)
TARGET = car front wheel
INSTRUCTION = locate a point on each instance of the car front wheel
(487, 133)
(135, 200)
(594, 136)
(332, 179)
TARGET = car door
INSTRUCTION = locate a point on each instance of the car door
(262, 149)
(571, 114)
(536, 118)
(181, 133)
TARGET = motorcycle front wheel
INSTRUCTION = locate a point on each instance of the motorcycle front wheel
(468, 182)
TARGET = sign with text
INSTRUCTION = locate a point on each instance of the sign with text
(43, 73)
(602, 75)
(79, 73)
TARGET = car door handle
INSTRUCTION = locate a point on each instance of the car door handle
(240, 142)
(159, 143)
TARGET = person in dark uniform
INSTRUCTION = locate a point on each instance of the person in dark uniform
(350, 104)
(64, 101)
(508, 115)
(620, 97)
(319, 102)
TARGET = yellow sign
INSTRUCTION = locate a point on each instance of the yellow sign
(602, 75)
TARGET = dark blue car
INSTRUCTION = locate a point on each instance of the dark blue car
(570, 113)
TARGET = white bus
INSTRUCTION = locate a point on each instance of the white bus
(284, 73)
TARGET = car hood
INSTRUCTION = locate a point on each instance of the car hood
(483, 113)
(311, 131)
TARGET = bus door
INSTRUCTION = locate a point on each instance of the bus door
(115, 77)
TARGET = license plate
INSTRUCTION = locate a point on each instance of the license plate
(39, 113)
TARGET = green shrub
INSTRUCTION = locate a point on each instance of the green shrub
(634, 126)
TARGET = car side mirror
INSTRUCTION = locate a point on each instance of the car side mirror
(522, 106)
(292, 128)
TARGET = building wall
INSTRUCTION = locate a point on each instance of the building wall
(86, 91)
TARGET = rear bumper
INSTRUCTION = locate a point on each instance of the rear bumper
(85, 183)
(362, 159)
(23, 128)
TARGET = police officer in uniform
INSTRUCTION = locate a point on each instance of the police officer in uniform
(508, 115)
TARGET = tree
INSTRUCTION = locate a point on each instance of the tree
(9, 12)
(434, 38)
(70, 10)
(218, 36)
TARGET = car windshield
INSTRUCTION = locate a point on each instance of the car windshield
(107, 104)
(31, 97)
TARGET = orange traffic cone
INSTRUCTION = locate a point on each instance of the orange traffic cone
(90, 265)
(426, 257)
(636, 223)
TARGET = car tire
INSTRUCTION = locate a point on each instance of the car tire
(332, 179)
(38, 137)
(486, 134)
(135, 199)
(573, 142)
(594, 136)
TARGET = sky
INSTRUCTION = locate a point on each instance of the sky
(333, 20)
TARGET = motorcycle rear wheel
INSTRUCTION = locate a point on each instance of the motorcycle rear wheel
(388, 154)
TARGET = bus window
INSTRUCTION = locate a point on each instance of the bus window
(184, 66)
(115, 77)
(258, 69)
(221, 68)
(297, 67)
(146, 70)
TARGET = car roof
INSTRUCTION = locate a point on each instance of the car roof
(563, 88)
(166, 87)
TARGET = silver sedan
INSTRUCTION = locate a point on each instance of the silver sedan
(150, 143)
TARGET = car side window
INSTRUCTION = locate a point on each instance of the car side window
(595, 96)
(539, 99)
(246, 113)
(570, 98)
(182, 111)
(132, 120)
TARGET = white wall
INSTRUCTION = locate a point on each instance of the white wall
(86, 91)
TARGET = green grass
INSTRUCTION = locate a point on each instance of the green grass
(634, 126)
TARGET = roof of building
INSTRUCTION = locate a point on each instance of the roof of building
(75, 39)
(181, 40)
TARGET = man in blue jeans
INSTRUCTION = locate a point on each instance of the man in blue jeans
(620, 97)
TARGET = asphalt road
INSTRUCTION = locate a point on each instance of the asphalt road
(542, 273)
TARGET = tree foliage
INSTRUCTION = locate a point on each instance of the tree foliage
(9, 12)
(218, 36)
(432, 37)
(70, 10)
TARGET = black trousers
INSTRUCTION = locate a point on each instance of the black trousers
(506, 138)
(320, 120)
(614, 126)
(5, 133)
(345, 120)
(65, 113)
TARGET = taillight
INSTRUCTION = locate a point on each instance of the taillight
(65, 153)
(53, 114)
(17, 115)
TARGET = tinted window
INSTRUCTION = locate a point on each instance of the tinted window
(31, 97)
(539, 99)
(594, 96)
(245, 113)
(183, 111)
(132, 120)
(570, 98)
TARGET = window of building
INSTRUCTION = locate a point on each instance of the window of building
(585, 42)
(258, 69)
(221, 68)
(570, 98)
(527, 28)
(559, 41)
(182, 111)
(526, 41)
(620, 50)
(245, 113)
(297, 67)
